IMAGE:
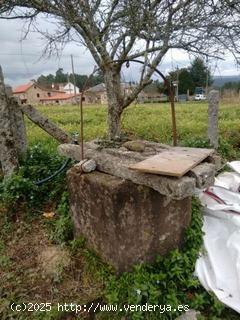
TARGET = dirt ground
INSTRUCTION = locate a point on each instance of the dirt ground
(35, 270)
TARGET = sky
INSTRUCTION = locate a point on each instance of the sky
(21, 59)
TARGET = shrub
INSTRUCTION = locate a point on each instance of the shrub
(21, 188)
(226, 147)
(62, 231)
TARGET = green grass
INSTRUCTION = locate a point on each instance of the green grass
(147, 121)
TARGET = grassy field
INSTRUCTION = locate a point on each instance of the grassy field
(147, 121)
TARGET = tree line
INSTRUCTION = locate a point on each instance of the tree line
(232, 85)
(197, 75)
(61, 77)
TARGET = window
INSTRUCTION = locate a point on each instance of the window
(49, 94)
(38, 95)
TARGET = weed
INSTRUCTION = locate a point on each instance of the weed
(62, 231)
(20, 189)
(4, 259)
(227, 150)
(196, 142)
(77, 243)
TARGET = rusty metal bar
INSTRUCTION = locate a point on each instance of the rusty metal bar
(167, 83)
(171, 97)
(81, 129)
(173, 111)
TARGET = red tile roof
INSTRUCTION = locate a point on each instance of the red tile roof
(23, 88)
(60, 96)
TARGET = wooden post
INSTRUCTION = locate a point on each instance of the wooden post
(213, 105)
(8, 152)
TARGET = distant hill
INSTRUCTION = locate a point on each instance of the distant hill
(219, 81)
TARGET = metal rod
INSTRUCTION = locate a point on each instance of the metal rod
(81, 133)
(167, 83)
(174, 126)
(81, 109)
(171, 96)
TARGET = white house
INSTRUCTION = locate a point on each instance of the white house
(67, 87)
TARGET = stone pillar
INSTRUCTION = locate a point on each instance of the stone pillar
(213, 105)
(8, 153)
(123, 222)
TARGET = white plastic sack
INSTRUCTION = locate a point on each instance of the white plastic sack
(218, 267)
(228, 180)
(235, 165)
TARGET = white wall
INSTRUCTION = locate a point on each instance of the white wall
(69, 88)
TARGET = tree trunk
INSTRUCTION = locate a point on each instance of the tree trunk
(115, 101)
(18, 127)
(8, 152)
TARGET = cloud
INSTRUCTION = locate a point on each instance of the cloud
(21, 59)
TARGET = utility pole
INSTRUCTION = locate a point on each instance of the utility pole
(177, 83)
(207, 76)
(74, 79)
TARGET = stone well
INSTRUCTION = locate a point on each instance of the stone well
(128, 217)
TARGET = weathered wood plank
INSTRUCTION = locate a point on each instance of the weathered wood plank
(175, 162)
(43, 122)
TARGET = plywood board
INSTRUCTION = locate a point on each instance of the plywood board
(173, 162)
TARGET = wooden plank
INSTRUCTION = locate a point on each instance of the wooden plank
(174, 162)
(43, 122)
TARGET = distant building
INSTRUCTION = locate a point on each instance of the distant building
(96, 94)
(66, 87)
(61, 98)
(32, 93)
(63, 93)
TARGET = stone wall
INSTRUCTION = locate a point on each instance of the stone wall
(33, 95)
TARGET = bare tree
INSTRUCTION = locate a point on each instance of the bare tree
(119, 30)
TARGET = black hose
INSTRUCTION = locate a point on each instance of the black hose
(61, 169)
